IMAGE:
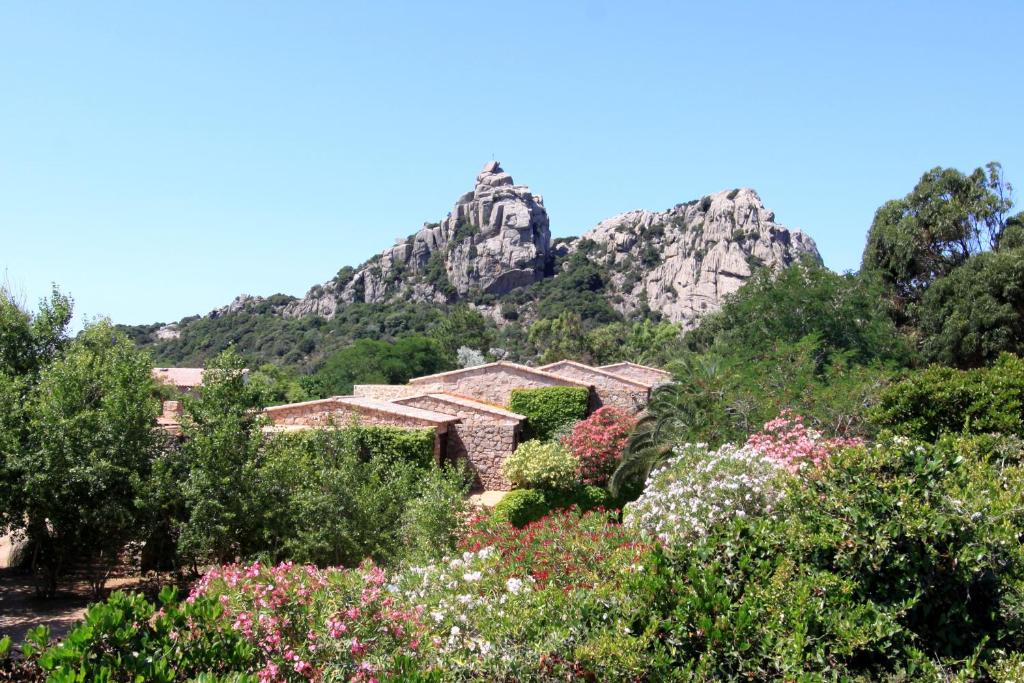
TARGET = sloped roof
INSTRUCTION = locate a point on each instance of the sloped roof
(397, 409)
(466, 403)
(478, 369)
(361, 403)
(179, 377)
(626, 364)
(597, 371)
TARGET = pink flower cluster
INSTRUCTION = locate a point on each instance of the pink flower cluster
(284, 611)
(598, 443)
(789, 443)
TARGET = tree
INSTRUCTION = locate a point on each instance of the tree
(90, 420)
(463, 326)
(377, 362)
(947, 218)
(222, 443)
(976, 312)
(844, 312)
(560, 338)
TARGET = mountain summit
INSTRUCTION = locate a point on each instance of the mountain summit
(495, 239)
(679, 263)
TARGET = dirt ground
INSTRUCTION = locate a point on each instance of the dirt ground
(21, 610)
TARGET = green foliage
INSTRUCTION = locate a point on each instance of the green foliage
(88, 422)
(323, 501)
(945, 219)
(549, 409)
(520, 507)
(377, 362)
(895, 563)
(223, 439)
(542, 464)
(939, 400)
(842, 311)
(463, 326)
(975, 313)
(277, 385)
(392, 443)
(561, 338)
(127, 639)
(431, 521)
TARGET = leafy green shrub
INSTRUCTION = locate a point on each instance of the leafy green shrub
(547, 409)
(937, 400)
(323, 500)
(432, 520)
(393, 443)
(542, 464)
(894, 563)
(520, 507)
(127, 639)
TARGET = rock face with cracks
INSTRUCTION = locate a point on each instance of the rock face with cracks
(680, 263)
(495, 239)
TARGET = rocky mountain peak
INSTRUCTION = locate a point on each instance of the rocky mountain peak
(680, 263)
(496, 238)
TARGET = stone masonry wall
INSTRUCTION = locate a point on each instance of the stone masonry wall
(611, 391)
(386, 392)
(483, 439)
(649, 376)
(491, 384)
(327, 413)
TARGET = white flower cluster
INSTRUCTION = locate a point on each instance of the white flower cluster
(698, 490)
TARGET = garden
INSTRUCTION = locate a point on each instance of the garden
(830, 490)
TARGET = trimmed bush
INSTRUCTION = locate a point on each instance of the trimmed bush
(542, 464)
(941, 400)
(548, 409)
(412, 445)
(520, 507)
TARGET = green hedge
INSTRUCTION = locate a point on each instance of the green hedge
(941, 400)
(548, 409)
(522, 506)
(412, 445)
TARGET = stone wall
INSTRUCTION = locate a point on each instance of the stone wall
(609, 389)
(639, 373)
(492, 383)
(484, 438)
(332, 412)
(385, 392)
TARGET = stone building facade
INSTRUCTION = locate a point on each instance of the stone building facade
(467, 408)
(493, 382)
(640, 373)
(484, 436)
(609, 389)
(340, 411)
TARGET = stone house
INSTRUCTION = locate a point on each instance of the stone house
(339, 411)
(484, 436)
(185, 380)
(640, 373)
(492, 382)
(466, 407)
(609, 389)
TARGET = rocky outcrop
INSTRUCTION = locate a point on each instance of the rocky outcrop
(495, 239)
(684, 261)
(680, 263)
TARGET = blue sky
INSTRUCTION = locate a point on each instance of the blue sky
(156, 159)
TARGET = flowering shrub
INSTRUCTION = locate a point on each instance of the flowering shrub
(697, 490)
(786, 441)
(550, 597)
(598, 443)
(305, 621)
(540, 464)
